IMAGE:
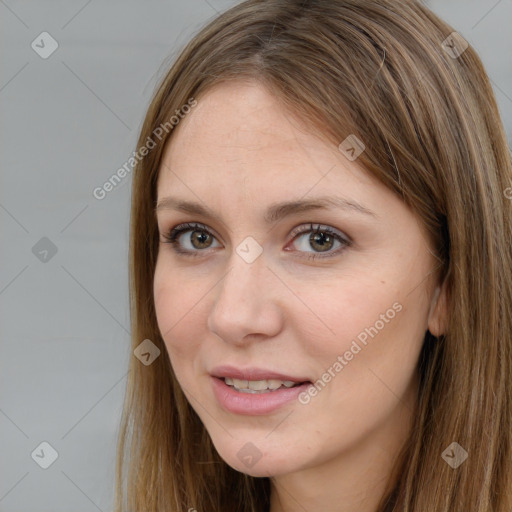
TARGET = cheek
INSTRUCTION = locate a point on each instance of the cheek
(176, 307)
(345, 312)
(373, 322)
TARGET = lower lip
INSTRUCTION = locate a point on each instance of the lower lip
(254, 403)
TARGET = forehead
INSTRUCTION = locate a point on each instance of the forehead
(240, 136)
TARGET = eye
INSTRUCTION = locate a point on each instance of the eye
(200, 238)
(321, 239)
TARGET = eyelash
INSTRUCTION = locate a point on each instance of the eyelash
(174, 233)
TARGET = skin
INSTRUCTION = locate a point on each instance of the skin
(238, 152)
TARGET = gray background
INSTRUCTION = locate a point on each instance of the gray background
(68, 123)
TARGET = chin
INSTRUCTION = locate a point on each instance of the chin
(254, 459)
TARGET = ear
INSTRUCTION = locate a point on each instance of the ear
(438, 314)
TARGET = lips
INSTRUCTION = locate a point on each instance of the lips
(255, 391)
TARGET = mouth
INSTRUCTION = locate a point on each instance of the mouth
(255, 391)
(260, 386)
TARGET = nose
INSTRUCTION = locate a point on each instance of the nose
(247, 303)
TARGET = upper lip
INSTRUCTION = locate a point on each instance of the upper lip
(252, 373)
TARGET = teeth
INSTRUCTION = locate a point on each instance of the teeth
(258, 385)
(240, 384)
(274, 384)
(251, 386)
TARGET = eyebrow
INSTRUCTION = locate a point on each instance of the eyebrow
(275, 211)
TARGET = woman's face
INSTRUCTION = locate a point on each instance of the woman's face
(293, 322)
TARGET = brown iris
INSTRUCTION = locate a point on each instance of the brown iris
(321, 240)
(204, 239)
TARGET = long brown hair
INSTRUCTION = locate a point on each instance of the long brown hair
(394, 74)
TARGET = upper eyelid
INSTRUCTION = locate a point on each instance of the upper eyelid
(316, 226)
(190, 226)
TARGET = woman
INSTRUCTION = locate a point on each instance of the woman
(321, 270)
